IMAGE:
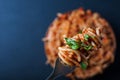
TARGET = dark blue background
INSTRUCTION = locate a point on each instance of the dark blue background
(23, 24)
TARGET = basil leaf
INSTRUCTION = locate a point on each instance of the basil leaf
(72, 43)
(86, 36)
(83, 65)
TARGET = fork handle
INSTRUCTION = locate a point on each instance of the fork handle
(51, 77)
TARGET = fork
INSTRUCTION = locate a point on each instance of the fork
(60, 70)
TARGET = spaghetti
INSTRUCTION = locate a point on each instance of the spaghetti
(96, 53)
(86, 42)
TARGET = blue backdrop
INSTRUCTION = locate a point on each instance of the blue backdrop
(23, 24)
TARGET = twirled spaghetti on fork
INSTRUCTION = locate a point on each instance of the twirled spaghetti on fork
(78, 46)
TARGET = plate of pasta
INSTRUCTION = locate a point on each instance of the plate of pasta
(81, 38)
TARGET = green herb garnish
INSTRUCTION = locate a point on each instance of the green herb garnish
(87, 47)
(83, 65)
(86, 36)
(72, 43)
